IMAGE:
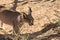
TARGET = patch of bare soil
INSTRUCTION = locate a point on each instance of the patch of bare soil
(44, 14)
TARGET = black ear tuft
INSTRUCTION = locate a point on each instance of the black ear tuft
(30, 11)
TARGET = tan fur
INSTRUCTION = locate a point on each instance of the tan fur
(14, 18)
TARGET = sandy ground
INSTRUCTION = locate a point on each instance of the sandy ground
(43, 13)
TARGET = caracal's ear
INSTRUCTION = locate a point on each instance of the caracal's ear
(24, 15)
(30, 11)
(1, 6)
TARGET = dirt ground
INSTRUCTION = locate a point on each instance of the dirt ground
(43, 12)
